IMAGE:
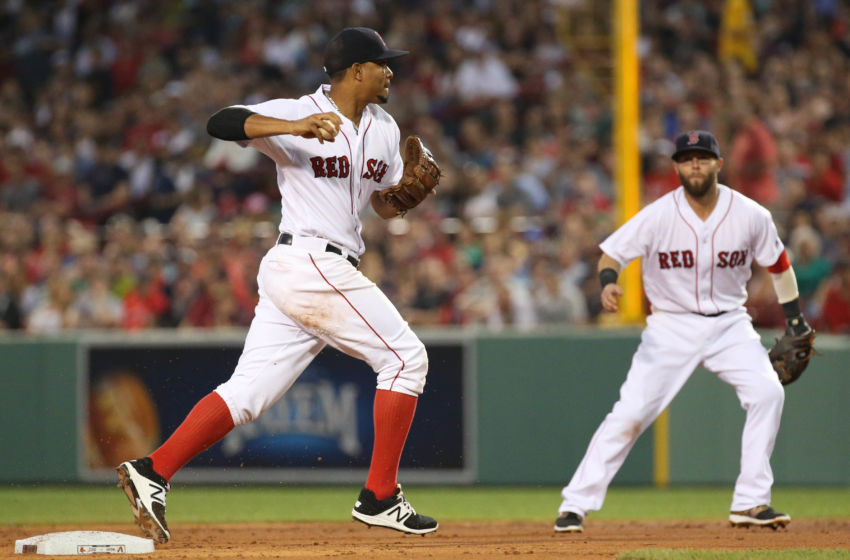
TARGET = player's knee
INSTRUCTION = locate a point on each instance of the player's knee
(774, 394)
(625, 427)
(242, 408)
(409, 376)
(766, 395)
(245, 415)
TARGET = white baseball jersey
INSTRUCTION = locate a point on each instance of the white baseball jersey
(324, 187)
(695, 266)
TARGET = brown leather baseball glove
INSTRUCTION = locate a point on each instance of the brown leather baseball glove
(791, 354)
(421, 176)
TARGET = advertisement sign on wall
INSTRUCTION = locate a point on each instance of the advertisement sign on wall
(319, 431)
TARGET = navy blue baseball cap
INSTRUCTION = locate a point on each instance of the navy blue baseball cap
(696, 141)
(356, 44)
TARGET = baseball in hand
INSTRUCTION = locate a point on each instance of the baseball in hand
(328, 135)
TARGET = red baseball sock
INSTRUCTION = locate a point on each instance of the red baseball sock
(393, 415)
(207, 422)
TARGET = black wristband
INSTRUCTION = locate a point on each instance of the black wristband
(607, 276)
(791, 309)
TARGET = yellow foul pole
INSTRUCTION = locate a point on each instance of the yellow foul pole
(627, 179)
(627, 174)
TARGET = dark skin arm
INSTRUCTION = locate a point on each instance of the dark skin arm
(261, 126)
(312, 126)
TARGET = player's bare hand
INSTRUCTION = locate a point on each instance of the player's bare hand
(610, 295)
(323, 126)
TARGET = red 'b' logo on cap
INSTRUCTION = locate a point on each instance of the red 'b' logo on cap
(693, 138)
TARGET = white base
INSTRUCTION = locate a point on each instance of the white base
(84, 542)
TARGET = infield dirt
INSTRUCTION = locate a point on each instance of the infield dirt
(464, 540)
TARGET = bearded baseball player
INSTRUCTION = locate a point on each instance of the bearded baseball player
(698, 244)
(336, 151)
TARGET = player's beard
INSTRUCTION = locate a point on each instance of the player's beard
(701, 188)
(383, 94)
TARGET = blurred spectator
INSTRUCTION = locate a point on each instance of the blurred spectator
(52, 313)
(835, 309)
(11, 314)
(431, 300)
(144, 303)
(499, 298)
(482, 76)
(826, 180)
(109, 182)
(555, 302)
(659, 177)
(96, 307)
(20, 188)
(752, 159)
(810, 266)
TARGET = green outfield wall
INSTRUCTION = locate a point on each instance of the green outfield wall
(541, 397)
(38, 407)
(813, 445)
(535, 401)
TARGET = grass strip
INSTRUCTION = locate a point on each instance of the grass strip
(690, 554)
(225, 504)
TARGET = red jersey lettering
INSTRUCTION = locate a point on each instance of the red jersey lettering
(330, 163)
(318, 164)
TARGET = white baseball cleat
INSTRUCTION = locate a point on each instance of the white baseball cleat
(760, 516)
(569, 522)
(146, 490)
(394, 512)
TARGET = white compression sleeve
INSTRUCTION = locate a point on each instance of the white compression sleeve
(785, 284)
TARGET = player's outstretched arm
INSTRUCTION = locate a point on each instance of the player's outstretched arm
(785, 285)
(609, 270)
(791, 354)
(239, 123)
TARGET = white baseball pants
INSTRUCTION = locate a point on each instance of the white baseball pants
(671, 347)
(310, 298)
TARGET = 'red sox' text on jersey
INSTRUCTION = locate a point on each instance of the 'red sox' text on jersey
(325, 187)
(690, 265)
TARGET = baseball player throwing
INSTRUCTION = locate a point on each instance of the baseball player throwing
(335, 151)
(698, 244)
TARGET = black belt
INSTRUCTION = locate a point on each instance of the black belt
(286, 239)
(718, 314)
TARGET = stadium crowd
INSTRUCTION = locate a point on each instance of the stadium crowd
(117, 210)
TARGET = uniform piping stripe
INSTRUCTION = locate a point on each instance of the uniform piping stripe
(334, 288)
(363, 154)
(362, 165)
(350, 157)
(696, 255)
(350, 173)
(711, 291)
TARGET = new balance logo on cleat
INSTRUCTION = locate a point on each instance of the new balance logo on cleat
(759, 516)
(394, 512)
(157, 493)
(399, 515)
(146, 491)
